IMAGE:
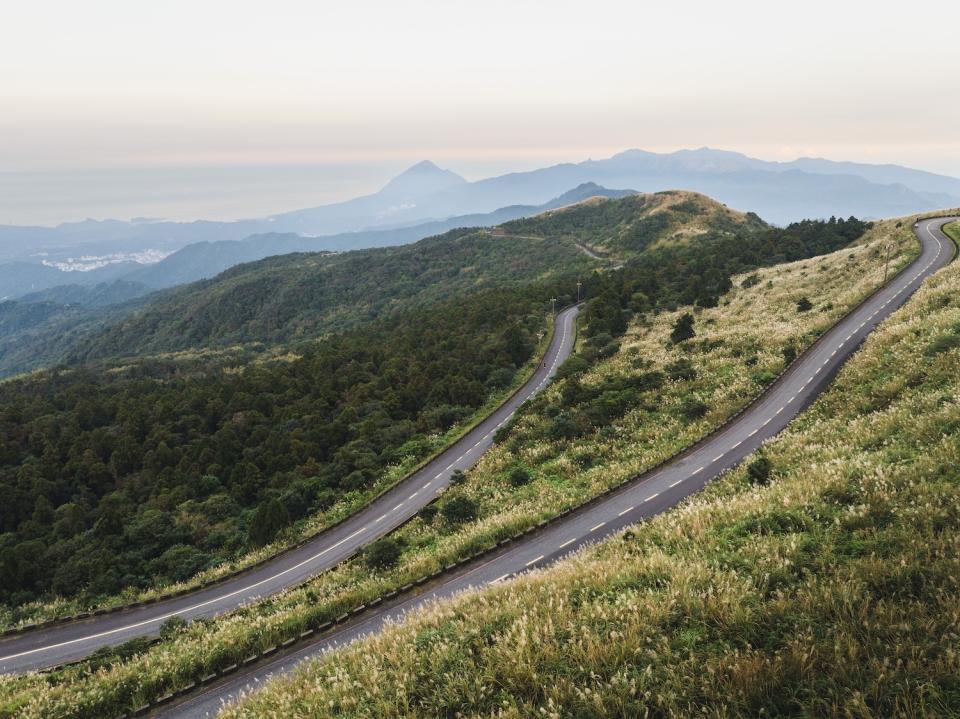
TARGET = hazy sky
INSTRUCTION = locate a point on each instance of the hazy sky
(478, 86)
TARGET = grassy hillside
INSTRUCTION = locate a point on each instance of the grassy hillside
(739, 345)
(629, 227)
(300, 296)
(828, 589)
(953, 229)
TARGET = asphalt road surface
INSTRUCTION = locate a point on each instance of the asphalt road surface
(648, 495)
(67, 642)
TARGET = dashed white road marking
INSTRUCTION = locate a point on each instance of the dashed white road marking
(652, 496)
(534, 560)
(628, 509)
(568, 542)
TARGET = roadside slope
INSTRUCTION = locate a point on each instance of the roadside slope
(820, 583)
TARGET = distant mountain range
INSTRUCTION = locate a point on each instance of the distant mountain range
(426, 199)
(34, 282)
(39, 326)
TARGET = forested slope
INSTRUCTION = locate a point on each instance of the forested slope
(301, 296)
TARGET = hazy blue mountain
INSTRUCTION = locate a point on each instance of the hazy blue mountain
(206, 259)
(426, 199)
(883, 174)
(39, 327)
(399, 201)
(21, 278)
(770, 189)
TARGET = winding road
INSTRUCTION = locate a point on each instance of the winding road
(648, 495)
(63, 643)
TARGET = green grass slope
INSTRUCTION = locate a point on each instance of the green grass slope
(827, 587)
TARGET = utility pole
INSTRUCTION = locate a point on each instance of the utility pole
(554, 306)
(578, 290)
(886, 263)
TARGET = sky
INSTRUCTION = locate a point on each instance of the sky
(110, 98)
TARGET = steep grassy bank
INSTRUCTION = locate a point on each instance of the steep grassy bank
(953, 229)
(828, 588)
(761, 317)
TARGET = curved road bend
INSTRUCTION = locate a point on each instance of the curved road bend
(67, 642)
(650, 494)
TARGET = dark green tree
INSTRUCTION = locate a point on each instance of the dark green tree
(519, 477)
(758, 471)
(383, 553)
(682, 329)
(458, 510)
(268, 520)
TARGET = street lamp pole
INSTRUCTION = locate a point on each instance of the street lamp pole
(554, 306)
(578, 290)
(886, 263)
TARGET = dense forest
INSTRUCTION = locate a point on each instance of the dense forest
(115, 478)
(117, 475)
(301, 296)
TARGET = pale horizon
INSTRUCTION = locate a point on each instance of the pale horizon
(109, 86)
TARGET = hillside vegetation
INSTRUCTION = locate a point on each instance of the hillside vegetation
(825, 587)
(301, 296)
(533, 473)
(133, 476)
(149, 472)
